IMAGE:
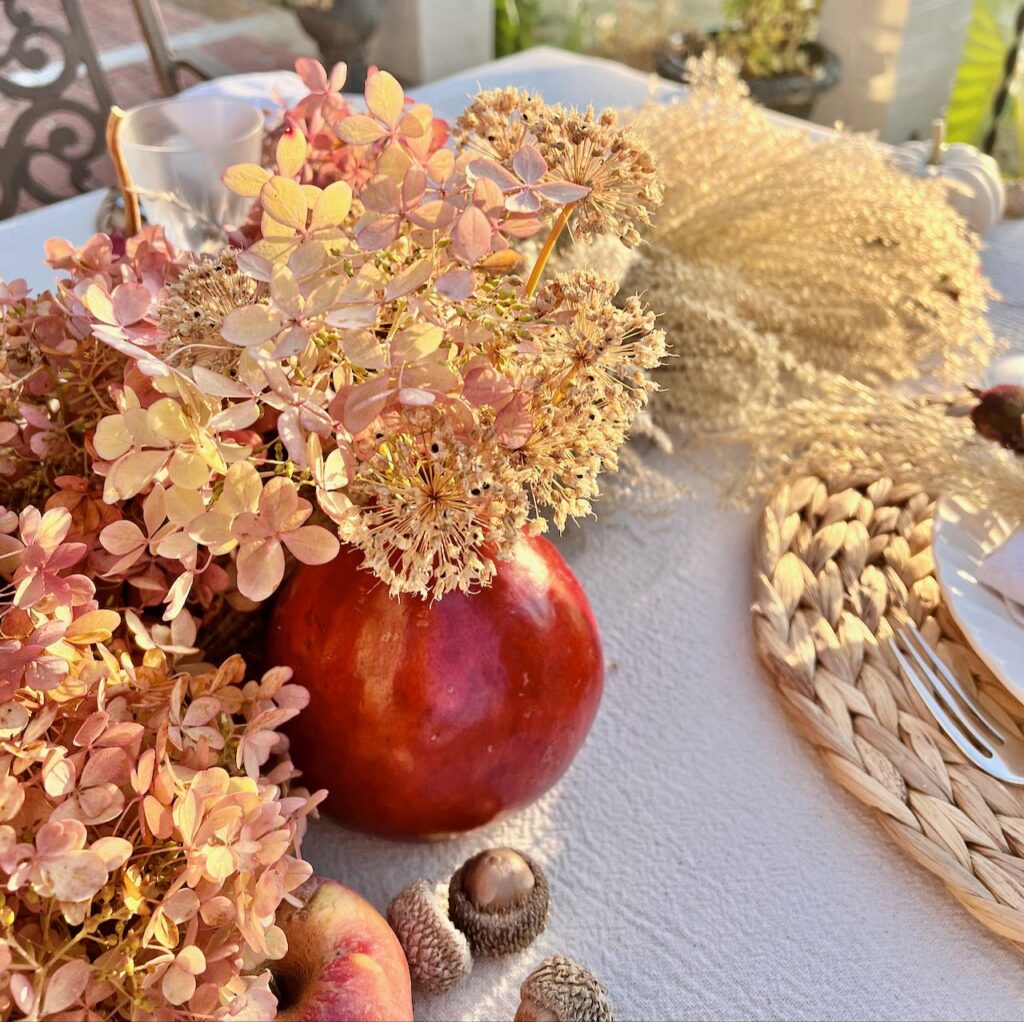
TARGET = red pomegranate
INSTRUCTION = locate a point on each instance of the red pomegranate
(428, 719)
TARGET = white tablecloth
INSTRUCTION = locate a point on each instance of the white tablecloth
(700, 861)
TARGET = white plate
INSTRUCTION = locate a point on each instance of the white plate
(964, 535)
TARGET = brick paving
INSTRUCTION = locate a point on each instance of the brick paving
(261, 44)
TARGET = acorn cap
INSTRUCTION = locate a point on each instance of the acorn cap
(499, 899)
(561, 990)
(438, 955)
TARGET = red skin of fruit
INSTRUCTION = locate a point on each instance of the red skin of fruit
(428, 719)
(344, 963)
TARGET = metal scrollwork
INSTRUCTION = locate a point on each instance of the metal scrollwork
(39, 66)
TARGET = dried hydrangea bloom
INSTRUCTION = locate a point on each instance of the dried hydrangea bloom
(149, 829)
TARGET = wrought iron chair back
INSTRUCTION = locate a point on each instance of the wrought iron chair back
(168, 67)
(41, 65)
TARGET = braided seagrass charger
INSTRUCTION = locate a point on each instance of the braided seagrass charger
(840, 562)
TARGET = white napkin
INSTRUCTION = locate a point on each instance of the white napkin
(1003, 571)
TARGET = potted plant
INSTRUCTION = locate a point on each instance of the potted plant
(772, 43)
(341, 29)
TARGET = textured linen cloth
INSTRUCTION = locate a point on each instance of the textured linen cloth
(701, 862)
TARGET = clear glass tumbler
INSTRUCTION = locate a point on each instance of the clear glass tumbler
(176, 150)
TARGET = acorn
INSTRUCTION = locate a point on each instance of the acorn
(999, 415)
(499, 899)
(561, 990)
(438, 954)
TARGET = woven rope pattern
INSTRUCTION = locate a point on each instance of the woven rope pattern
(839, 562)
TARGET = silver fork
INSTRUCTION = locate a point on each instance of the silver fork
(973, 730)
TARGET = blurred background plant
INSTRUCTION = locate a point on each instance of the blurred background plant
(520, 24)
(768, 37)
(985, 107)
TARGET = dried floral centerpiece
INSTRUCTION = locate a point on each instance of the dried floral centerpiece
(363, 366)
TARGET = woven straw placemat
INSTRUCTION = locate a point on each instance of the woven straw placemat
(839, 562)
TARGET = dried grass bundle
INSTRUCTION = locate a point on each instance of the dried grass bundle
(777, 257)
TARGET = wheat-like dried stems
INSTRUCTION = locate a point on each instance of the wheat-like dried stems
(777, 256)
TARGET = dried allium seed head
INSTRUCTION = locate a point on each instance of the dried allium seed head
(434, 506)
(193, 309)
(613, 162)
(498, 121)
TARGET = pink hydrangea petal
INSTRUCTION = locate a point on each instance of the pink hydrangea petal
(528, 163)
(312, 544)
(260, 569)
(562, 192)
(130, 303)
(65, 986)
(456, 284)
(471, 238)
(77, 876)
(524, 201)
(493, 171)
(513, 425)
(312, 73)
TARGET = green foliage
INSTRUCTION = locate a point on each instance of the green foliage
(991, 36)
(768, 35)
(520, 24)
(515, 22)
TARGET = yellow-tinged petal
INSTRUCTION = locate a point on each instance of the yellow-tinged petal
(384, 97)
(360, 129)
(245, 179)
(395, 164)
(166, 931)
(192, 960)
(220, 862)
(99, 303)
(332, 206)
(416, 342)
(167, 420)
(114, 851)
(251, 324)
(183, 505)
(284, 200)
(112, 438)
(96, 626)
(132, 474)
(291, 151)
(417, 121)
(188, 469)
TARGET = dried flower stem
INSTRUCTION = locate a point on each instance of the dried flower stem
(557, 227)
